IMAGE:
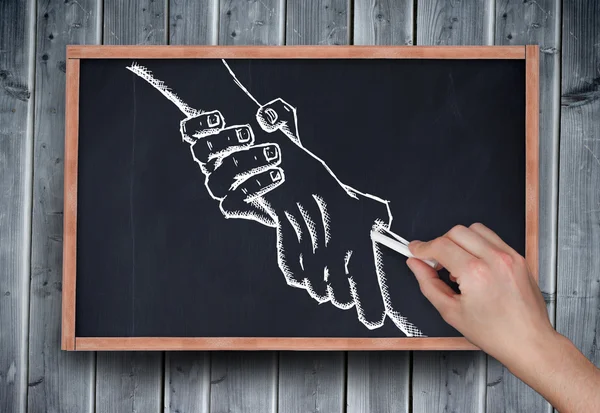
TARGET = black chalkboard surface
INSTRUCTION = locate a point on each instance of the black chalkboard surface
(235, 198)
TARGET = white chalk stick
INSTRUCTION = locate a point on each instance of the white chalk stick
(398, 244)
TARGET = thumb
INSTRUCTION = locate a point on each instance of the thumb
(279, 115)
(433, 288)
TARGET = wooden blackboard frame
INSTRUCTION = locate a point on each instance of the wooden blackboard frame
(75, 54)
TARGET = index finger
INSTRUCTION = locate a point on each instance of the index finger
(445, 251)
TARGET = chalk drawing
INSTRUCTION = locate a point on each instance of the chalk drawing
(255, 171)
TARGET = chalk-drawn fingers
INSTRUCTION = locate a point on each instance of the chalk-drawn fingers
(312, 247)
(253, 188)
(289, 252)
(196, 127)
(338, 286)
(245, 200)
(365, 288)
(279, 115)
(221, 143)
(240, 165)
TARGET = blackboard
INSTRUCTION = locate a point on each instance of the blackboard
(233, 198)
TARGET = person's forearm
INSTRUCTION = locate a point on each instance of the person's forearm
(559, 372)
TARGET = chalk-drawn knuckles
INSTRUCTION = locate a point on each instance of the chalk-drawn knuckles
(238, 166)
(223, 142)
(244, 195)
(195, 127)
(279, 115)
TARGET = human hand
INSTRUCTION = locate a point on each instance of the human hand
(322, 225)
(500, 302)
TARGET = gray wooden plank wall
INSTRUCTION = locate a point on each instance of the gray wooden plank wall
(35, 376)
(578, 283)
(16, 141)
(58, 381)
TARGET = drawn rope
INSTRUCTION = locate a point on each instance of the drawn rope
(159, 85)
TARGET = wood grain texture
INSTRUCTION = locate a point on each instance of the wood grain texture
(16, 137)
(311, 381)
(451, 381)
(318, 22)
(578, 275)
(129, 382)
(187, 382)
(64, 382)
(135, 22)
(187, 374)
(450, 22)
(378, 382)
(243, 382)
(251, 22)
(193, 21)
(383, 22)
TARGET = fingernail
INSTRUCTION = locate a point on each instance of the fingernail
(270, 153)
(275, 176)
(213, 120)
(408, 263)
(271, 115)
(243, 135)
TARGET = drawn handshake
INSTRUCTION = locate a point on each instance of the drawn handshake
(322, 226)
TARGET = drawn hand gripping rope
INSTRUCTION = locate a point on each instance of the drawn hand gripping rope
(241, 174)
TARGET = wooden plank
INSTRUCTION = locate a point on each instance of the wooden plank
(318, 22)
(16, 136)
(63, 381)
(578, 281)
(128, 382)
(296, 52)
(449, 22)
(131, 382)
(448, 382)
(258, 22)
(378, 382)
(519, 22)
(243, 382)
(445, 381)
(187, 374)
(383, 22)
(187, 382)
(193, 21)
(311, 381)
(135, 22)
